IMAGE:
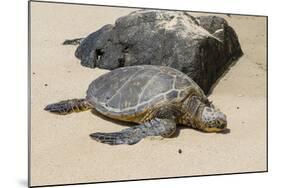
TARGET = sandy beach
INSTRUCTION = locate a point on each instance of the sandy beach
(61, 149)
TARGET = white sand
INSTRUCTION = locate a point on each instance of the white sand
(61, 150)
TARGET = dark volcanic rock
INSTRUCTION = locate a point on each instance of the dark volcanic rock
(202, 47)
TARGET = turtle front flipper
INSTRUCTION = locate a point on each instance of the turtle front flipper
(69, 106)
(154, 127)
(76, 41)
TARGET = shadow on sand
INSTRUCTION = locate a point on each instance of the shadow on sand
(222, 74)
(130, 124)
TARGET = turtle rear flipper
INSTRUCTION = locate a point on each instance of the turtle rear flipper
(154, 127)
(68, 106)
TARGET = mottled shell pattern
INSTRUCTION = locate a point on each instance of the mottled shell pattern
(134, 89)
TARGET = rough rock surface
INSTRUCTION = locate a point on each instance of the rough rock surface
(202, 47)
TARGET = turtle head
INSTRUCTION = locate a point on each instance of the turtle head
(213, 120)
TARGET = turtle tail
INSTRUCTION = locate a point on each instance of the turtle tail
(69, 106)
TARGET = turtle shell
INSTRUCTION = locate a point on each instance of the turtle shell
(132, 90)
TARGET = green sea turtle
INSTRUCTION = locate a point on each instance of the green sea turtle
(157, 98)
